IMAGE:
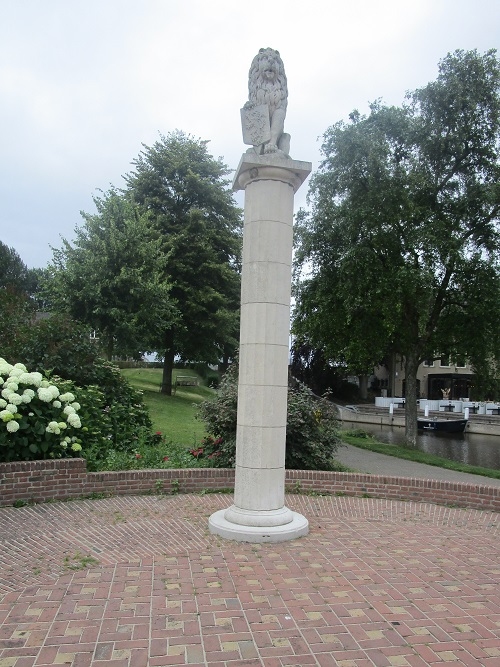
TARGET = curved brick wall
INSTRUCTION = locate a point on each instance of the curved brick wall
(63, 479)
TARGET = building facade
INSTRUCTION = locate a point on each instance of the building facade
(436, 379)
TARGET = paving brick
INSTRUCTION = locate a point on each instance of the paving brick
(375, 583)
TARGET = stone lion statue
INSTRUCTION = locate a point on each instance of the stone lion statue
(267, 86)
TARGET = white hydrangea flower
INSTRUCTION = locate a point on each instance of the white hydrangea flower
(48, 394)
(5, 368)
(74, 420)
(15, 399)
(54, 391)
(19, 387)
(6, 415)
(36, 379)
(28, 395)
(53, 427)
(45, 394)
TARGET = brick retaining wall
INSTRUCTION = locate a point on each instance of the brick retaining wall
(64, 479)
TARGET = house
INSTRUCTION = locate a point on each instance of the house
(436, 379)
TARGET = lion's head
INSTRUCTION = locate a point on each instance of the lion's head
(267, 81)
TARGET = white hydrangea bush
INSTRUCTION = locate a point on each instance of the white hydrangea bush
(37, 421)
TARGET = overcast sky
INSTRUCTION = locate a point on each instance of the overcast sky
(84, 83)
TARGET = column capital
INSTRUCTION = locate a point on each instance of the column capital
(253, 167)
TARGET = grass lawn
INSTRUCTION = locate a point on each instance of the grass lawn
(174, 416)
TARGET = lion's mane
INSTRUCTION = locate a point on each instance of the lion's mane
(261, 91)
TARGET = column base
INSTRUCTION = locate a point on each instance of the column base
(260, 527)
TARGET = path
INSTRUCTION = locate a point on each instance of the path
(362, 460)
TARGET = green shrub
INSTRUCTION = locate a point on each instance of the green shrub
(312, 429)
(155, 451)
(213, 380)
(114, 413)
(39, 419)
(312, 436)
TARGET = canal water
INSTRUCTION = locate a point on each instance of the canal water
(471, 448)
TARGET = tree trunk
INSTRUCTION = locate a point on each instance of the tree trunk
(363, 386)
(391, 365)
(224, 364)
(411, 368)
(109, 348)
(168, 363)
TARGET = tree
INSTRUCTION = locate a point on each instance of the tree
(183, 188)
(37, 279)
(18, 295)
(309, 366)
(13, 271)
(112, 277)
(403, 238)
(16, 311)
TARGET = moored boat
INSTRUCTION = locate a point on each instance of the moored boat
(442, 425)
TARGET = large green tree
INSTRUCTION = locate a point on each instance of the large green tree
(401, 245)
(184, 190)
(112, 277)
(13, 271)
(19, 295)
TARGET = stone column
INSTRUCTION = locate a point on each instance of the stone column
(259, 513)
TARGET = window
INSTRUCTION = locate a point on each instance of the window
(429, 363)
(445, 361)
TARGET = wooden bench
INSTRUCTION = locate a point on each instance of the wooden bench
(185, 381)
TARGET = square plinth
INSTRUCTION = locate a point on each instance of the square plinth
(268, 167)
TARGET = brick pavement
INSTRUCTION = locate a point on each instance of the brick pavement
(139, 581)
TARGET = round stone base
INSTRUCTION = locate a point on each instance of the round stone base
(219, 525)
(260, 518)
